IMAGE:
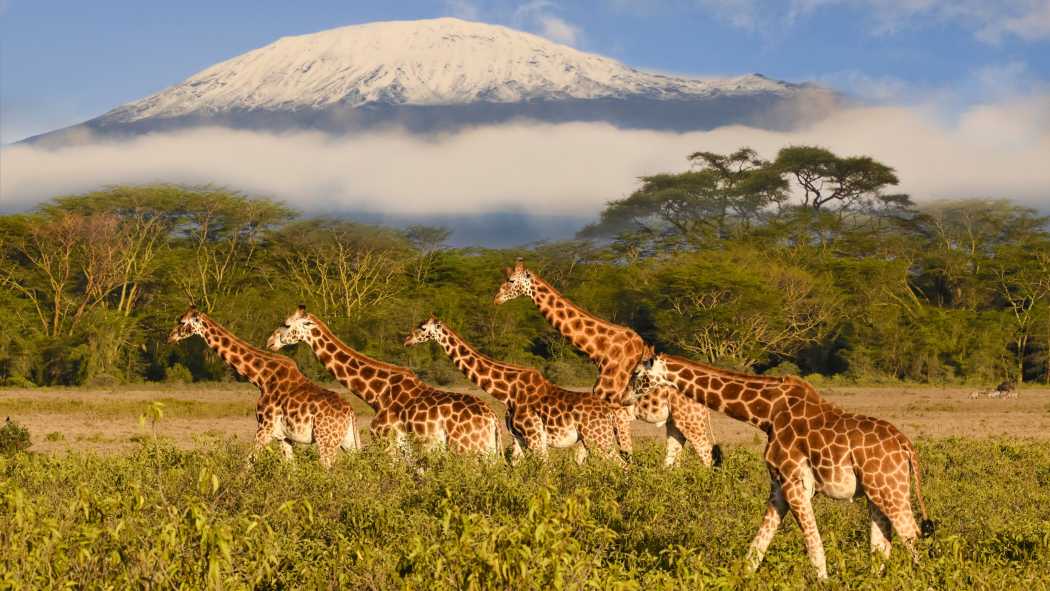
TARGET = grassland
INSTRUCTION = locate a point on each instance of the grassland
(107, 420)
(177, 507)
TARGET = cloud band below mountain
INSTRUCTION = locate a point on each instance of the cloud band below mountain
(993, 150)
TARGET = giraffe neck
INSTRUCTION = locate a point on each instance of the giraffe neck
(251, 362)
(346, 364)
(565, 315)
(723, 391)
(477, 367)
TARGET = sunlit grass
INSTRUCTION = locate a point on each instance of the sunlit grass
(161, 517)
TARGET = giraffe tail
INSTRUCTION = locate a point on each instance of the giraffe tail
(927, 525)
(716, 450)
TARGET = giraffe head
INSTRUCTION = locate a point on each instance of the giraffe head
(428, 330)
(518, 283)
(649, 375)
(189, 324)
(296, 329)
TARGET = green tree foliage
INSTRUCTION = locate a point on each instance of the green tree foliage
(729, 262)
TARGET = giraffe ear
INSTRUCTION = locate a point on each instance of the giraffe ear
(506, 272)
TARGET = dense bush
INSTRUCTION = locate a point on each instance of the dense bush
(13, 438)
(163, 518)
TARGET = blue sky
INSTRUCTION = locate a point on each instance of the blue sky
(64, 62)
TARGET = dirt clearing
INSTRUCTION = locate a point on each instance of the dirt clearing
(111, 420)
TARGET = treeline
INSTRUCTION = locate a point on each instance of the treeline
(807, 263)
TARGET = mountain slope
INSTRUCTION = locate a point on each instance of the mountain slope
(442, 73)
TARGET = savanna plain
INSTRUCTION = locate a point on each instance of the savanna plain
(148, 487)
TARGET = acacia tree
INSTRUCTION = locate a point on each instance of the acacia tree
(428, 241)
(1023, 276)
(722, 197)
(850, 185)
(741, 308)
(224, 230)
(340, 266)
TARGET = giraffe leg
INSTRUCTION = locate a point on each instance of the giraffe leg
(538, 442)
(675, 441)
(622, 419)
(691, 420)
(598, 434)
(529, 429)
(881, 532)
(891, 496)
(581, 453)
(351, 440)
(775, 511)
(263, 435)
(898, 511)
(798, 492)
(286, 450)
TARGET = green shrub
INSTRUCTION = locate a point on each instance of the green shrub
(168, 518)
(178, 374)
(13, 438)
(567, 373)
(785, 368)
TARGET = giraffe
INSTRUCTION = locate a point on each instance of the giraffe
(616, 350)
(539, 413)
(291, 408)
(813, 446)
(685, 422)
(404, 404)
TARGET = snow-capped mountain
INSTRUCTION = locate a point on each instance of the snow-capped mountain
(440, 73)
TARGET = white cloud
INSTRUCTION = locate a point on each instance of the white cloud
(992, 150)
(744, 14)
(989, 21)
(464, 9)
(558, 30)
(1030, 25)
(537, 16)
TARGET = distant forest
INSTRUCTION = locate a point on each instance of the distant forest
(808, 263)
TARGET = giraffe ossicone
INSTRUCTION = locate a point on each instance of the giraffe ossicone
(291, 408)
(540, 414)
(813, 446)
(615, 350)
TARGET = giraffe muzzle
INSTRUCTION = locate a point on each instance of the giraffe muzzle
(274, 343)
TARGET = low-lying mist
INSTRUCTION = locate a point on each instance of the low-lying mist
(992, 150)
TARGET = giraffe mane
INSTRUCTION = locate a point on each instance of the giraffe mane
(255, 350)
(475, 351)
(371, 360)
(580, 309)
(734, 374)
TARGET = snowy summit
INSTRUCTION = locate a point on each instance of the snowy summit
(440, 73)
(443, 61)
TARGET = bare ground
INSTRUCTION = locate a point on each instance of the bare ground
(110, 420)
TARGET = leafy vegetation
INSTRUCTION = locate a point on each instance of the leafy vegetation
(806, 261)
(13, 438)
(161, 518)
